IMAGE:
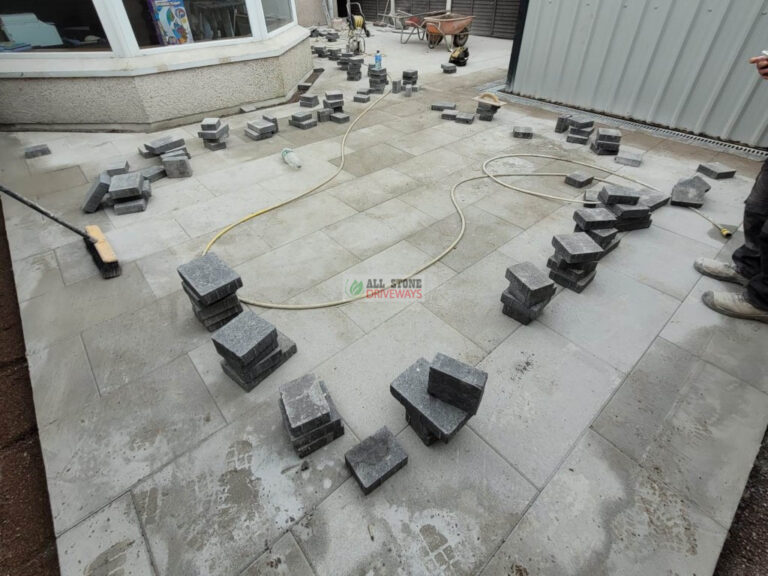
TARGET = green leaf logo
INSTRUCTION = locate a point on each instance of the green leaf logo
(356, 288)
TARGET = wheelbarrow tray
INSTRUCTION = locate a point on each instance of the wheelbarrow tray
(449, 24)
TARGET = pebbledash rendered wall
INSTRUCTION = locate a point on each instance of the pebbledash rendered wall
(681, 64)
(154, 97)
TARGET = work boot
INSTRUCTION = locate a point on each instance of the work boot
(735, 305)
(724, 271)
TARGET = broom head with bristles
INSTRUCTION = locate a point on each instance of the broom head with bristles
(101, 252)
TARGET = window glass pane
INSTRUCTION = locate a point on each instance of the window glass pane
(277, 13)
(172, 22)
(50, 25)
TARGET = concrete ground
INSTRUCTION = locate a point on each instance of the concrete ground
(617, 431)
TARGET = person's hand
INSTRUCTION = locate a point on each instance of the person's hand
(761, 62)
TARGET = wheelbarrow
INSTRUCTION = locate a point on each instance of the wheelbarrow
(411, 24)
(438, 28)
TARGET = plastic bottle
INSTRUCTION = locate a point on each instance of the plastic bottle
(377, 61)
(291, 158)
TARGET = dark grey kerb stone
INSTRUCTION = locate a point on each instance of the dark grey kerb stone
(245, 339)
(209, 124)
(119, 167)
(690, 192)
(334, 425)
(529, 284)
(629, 212)
(126, 186)
(214, 145)
(301, 116)
(324, 115)
(716, 170)
(576, 271)
(212, 309)
(603, 236)
(130, 206)
(96, 193)
(601, 147)
(654, 200)
(410, 389)
(525, 132)
(608, 135)
(263, 126)
(567, 281)
(440, 106)
(272, 119)
(210, 318)
(583, 132)
(562, 124)
(633, 224)
(515, 309)
(164, 144)
(309, 101)
(465, 118)
(375, 459)
(594, 218)
(339, 118)
(420, 428)
(615, 194)
(153, 173)
(457, 383)
(579, 179)
(221, 132)
(628, 158)
(177, 167)
(576, 248)
(581, 122)
(334, 95)
(209, 278)
(286, 348)
(256, 136)
(449, 115)
(591, 198)
(362, 98)
(305, 403)
(37, 151)
(573, 139)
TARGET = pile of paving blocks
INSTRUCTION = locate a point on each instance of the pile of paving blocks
(440, 397)
(448, 68)
(211, 286)
(126, 199)
(600, 224)
(629, 157)
(690, 192)
(173, 154)
(214, 133)
(344, 59)
(563, 124)
(363, 96)
(410, 77)
(302, 120)
(309, 414)
(333, 108)
(309, 100)
(574, 263)
(320, 51)
(251, 349)
(605, 142)
(36, 151)
(579, 129)
(333, 53)
(529, 291)
(443, 106)
(631, 214)
(375, 459)
(262, 129)
(487, 110)
(525, 132)
(377, 80)
(355, 69)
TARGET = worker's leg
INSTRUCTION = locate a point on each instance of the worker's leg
(757, 289)
(747, 258)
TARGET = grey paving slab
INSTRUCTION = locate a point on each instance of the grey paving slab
(736, 346)
(394, 262)
(159, 269)
(62, 380)
(423, 140)
(283, 558)
(305, 262)
(660, 259)
(590, 318)
(535, 243)
(71, 309)
(690, 425)
(130, 243)
(485, 232)
(372, 189)
(36, 238)
(470, 302)
(358, 378)
(520, 209)
(319, 334)
(96, 454)
(372, 159)
(433, 165)
(542, 393)
(131, 345)
(109, 542)
(431, 517)
(37, 275)
(617, 520)
(434, 198)
(219, 507)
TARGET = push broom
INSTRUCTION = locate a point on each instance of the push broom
(95, 241)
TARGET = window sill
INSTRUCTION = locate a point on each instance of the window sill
(151, 61)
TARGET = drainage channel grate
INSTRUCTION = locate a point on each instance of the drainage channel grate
(703, 141)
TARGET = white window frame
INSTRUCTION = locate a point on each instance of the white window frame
(123, 44)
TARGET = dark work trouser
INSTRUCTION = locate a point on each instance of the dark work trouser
(752, 259)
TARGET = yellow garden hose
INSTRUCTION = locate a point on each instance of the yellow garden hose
(459, 212)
